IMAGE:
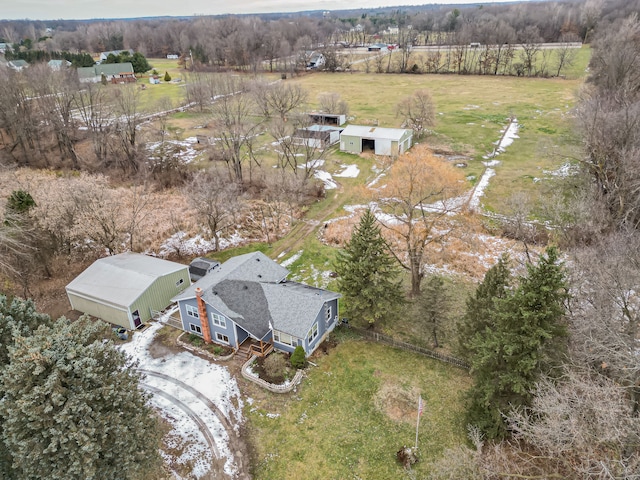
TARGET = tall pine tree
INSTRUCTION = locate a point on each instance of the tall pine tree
(524, 338)
(367, 274)
(481, 306)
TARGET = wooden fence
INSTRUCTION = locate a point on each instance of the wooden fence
(378, 337)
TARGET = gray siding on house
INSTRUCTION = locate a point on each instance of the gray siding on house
(228, 330)
(325, 325)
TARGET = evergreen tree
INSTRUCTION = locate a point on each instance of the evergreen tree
(17, 318)
(367, 274)
(20, 202)
(139, 63)
(71, 408)
(527, 339)
(167, 77)
(434, 305)
(481, 307)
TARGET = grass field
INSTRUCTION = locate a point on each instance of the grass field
(353, 412)
(471, 112)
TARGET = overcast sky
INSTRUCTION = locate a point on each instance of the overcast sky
(86, 9)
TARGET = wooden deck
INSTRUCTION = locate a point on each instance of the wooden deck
(252, 347)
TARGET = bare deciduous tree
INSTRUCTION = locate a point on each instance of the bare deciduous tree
(235, 125)
(332, 102)
(418, 112)
(127, 119)
(92, 105)
(215, 199)
(420, 193)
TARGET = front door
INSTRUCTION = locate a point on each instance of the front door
(137, 323)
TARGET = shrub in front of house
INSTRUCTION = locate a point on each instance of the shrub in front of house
(195, 340)
(167, 77)
(298, 359)
(275, 368)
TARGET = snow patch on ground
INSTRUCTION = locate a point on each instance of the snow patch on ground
(375, 180)
(507, 139)
(194, 246)
(312, 164)
(327, 179)
(350, 171)
(474, 201)
(211, 380)
(293, 258)
(182, 149)
(564, 171)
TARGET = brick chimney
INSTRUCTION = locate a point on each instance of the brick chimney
(204, 319)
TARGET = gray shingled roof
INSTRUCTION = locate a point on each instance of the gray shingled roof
(249, 289)
(255, 266)
(294, 306)
(248, 301)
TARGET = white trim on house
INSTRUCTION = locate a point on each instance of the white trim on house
(222, 338)
(192, 311)
(195, 328)
(284, 338)
(313, 333)
(218, 320)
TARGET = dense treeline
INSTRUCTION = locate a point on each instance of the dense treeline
(555, 367)
(243, 41)
(34, 56)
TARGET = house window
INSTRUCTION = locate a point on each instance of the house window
(284, 338)
(195, 328)
(179, 282)
(313, 333)
(192, 311)
(222, 338)
(219, 320)
(327, 311)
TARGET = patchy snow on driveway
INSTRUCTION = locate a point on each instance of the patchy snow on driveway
(211, 380)
(478, 192)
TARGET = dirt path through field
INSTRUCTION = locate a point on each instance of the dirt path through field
(308, 226)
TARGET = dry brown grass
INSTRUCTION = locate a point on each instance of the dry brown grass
(397, 401)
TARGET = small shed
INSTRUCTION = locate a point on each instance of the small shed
(317, 136)
(382, 141)
(321, 118)
(200, 266)
(123, 289)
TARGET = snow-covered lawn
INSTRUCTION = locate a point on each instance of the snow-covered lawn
(211, 381)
